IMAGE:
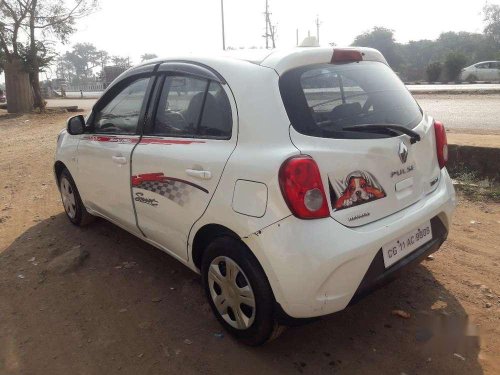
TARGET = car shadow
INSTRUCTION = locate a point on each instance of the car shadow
(130, 308)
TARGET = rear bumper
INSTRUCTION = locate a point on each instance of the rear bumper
(377, 275)
(318, 267)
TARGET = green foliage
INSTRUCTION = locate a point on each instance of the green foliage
(122, 62)
(148, 56)
(42, 57)
(454, 63)
(434, 71)
(411, 60)
(383, 40)
(491, 17)
(78, 64)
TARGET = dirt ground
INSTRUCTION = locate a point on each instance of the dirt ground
(132, 309)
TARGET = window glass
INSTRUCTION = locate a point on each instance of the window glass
(192, 107)
(121, 114)
(216, 120)
(483, 66)
(321, 100)
(180, 106)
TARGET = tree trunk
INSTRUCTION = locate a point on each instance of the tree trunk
(17, 87)
(39, 102)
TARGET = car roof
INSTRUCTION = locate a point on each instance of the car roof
(280, 60)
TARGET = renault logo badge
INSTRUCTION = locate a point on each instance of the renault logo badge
(403, 152)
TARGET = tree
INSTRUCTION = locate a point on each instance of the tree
(82, 60)
(13, 15)
(382, 39)
(51, 18)
(26, 26)
(454, 63)
(148, 56)
(491, 16)
(123, 62)
(434, 71)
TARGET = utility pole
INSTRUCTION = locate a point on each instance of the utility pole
(266, 13)
(317, 28)
(297, 37)
(222, 19)
(270, 28)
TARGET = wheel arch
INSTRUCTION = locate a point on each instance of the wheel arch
(204, 236)
(59, 166)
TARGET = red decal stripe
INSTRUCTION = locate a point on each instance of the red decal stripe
(161, 141)
(160, 177)
(144, 141)
(137, 180)
(101, 138)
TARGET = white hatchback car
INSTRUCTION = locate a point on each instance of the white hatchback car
(295, 183)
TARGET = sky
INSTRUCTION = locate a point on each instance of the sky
(167, 27)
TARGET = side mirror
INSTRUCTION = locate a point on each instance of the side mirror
(76, 125)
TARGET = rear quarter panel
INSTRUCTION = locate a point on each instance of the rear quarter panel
(263, 144)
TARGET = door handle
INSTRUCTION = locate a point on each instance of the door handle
(202, 175)
(119, 159)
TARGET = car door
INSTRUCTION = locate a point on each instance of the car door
(490, 71)
(496, 71)
(484, 71)
(104, 150)
(179, 161)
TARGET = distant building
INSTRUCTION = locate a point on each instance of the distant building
(109, 73)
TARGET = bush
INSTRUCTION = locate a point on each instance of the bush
(454, 63)
(434, 71)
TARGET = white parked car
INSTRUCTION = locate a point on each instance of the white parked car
(482, 71)
(294, 183)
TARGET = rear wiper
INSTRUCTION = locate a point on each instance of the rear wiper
(398, 129)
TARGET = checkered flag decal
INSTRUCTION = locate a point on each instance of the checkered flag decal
(176, 191)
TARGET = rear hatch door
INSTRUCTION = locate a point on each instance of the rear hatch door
(369, 174)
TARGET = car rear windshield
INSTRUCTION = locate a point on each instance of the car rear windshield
(322, 100)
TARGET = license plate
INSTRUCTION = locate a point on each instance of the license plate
(404, 245)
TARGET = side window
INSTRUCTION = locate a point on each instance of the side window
(483, 66)
(121, 114)
(180, 106)
(192, 107)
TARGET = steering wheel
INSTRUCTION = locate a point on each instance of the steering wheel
(109, 126)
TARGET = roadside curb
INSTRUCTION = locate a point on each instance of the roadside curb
(455, 92)
(484, 161)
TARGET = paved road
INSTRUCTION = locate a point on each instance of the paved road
(464, 111)
(85, 104)
(456, 111)
(495, 87)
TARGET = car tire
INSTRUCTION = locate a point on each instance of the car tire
(471, 78)
(73, 205)
(232, 277)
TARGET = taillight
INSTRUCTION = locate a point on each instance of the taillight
(346, 55)
(301, 186)
(441, 143)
